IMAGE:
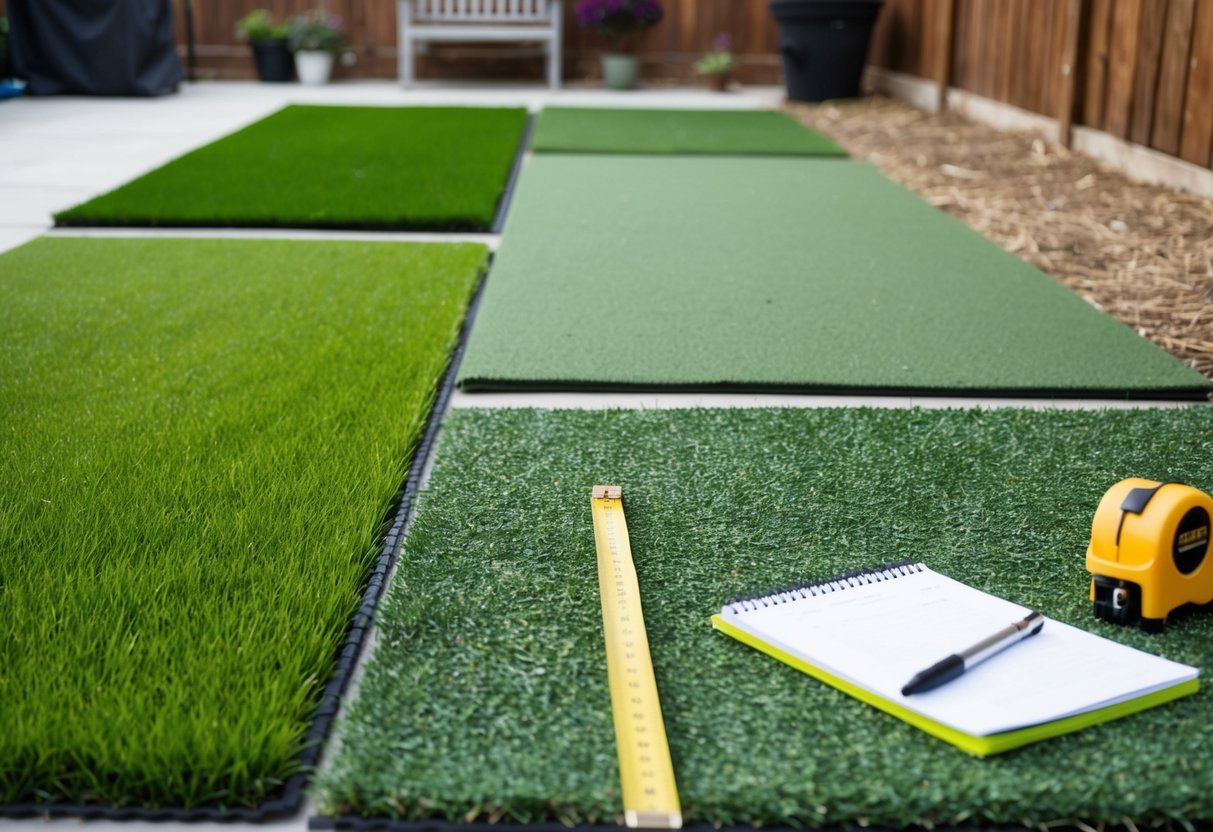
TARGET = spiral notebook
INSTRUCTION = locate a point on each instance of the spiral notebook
(867, 632)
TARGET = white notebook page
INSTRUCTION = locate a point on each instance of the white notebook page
(878, 635)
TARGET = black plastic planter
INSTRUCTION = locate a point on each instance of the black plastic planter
(823, 45)
(274, 60)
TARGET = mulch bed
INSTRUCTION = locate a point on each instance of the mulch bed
(1142, 253)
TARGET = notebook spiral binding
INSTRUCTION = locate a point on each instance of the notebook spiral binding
(824, 586)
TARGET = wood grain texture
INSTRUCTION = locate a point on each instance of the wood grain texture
(944, 29)
(1149, 55)
(1197, 132)
(1067, 68)
(1122, 64)
(1095, 62)
(900, 39)
(1173, 76)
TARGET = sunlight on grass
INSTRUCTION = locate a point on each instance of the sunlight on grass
(200, 442)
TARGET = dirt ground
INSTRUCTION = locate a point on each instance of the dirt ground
(1142, 253)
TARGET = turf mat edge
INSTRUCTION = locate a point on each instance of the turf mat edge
(475, 384)
(803, 272)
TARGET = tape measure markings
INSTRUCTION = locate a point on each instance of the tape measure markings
(646, 773)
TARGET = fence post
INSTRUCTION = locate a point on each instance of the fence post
(946, 27)
(1068, 69)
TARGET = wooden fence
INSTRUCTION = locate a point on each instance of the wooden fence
(667, 51)
(1141, 70)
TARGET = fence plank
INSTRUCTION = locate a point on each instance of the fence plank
(1095, 65)
(1198, 110)
(1046, 54)
(944, 27)
(1122, 63)
(1020, 77)
(964, 67)
(1173, 76)
(1067, 68)
(1002, 34)
(1149, 56)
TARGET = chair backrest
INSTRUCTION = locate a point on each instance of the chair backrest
(481, 11)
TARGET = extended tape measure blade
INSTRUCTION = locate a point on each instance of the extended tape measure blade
(646, 772)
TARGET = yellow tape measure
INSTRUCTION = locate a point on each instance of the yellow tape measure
(650, 796)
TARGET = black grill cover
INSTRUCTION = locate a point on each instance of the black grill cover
(94, 47)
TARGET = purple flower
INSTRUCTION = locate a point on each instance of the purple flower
(618, 18)
(722, 42)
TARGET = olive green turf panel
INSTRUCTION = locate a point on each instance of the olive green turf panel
(684, 132)
(487, 694)
(422, 168)
(201, 440)
(778, 275)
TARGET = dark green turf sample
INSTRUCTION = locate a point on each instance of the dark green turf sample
(684, 132)
(437, 168)
(487, 694)
(201, 439)
(778, 274)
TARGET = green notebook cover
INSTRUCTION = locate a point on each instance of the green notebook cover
(904, 708)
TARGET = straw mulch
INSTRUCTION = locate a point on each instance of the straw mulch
(1142, 253)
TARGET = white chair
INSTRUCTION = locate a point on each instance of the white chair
(479, 20)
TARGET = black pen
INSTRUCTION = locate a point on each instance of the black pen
(956, 664)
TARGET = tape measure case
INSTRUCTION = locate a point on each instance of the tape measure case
(1148, 554)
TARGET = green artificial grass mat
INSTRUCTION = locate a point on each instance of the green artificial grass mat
(201, 442)
(686, 132)
(426, 168)
(487, 696)
(778, 274)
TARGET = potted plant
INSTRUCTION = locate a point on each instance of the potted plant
(620, 21)
(315, 37)
(823, 45)
(717, 65)
(268, 42)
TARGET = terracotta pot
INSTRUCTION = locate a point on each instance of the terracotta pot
(719, 82)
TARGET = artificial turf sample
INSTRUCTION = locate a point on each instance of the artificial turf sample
(778, 274)
(487, 694)
(201, 439)
(436, 168)
(685, 132)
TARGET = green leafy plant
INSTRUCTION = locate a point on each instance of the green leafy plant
(720, 60)
(258, 25)
(316, 31)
